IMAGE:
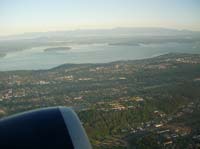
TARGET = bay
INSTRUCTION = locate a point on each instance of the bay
(35, 58)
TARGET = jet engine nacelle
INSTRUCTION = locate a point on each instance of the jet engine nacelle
(48, 128)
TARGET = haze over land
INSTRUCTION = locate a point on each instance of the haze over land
(96, 31)
(29, 51)
(129, 68)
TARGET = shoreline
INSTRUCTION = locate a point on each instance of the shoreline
(136, 60)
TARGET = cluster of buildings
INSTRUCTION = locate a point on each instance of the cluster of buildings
(187, 60)
(6, 94)
(165, 132)
(9, 93)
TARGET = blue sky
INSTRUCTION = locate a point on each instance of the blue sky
(19, 16)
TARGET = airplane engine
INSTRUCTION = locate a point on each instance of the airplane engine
(48, 128)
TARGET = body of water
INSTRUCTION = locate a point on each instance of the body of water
(36, 58)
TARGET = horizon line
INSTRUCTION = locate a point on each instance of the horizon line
(107, 28)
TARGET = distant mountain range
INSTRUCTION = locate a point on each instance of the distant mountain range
(139, 31)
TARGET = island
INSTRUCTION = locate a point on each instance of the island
(2, 55)
(124, 44)
(57, 49)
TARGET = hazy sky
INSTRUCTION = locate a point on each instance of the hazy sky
(19, 16)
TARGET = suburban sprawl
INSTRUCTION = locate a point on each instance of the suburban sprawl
(149, 103)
